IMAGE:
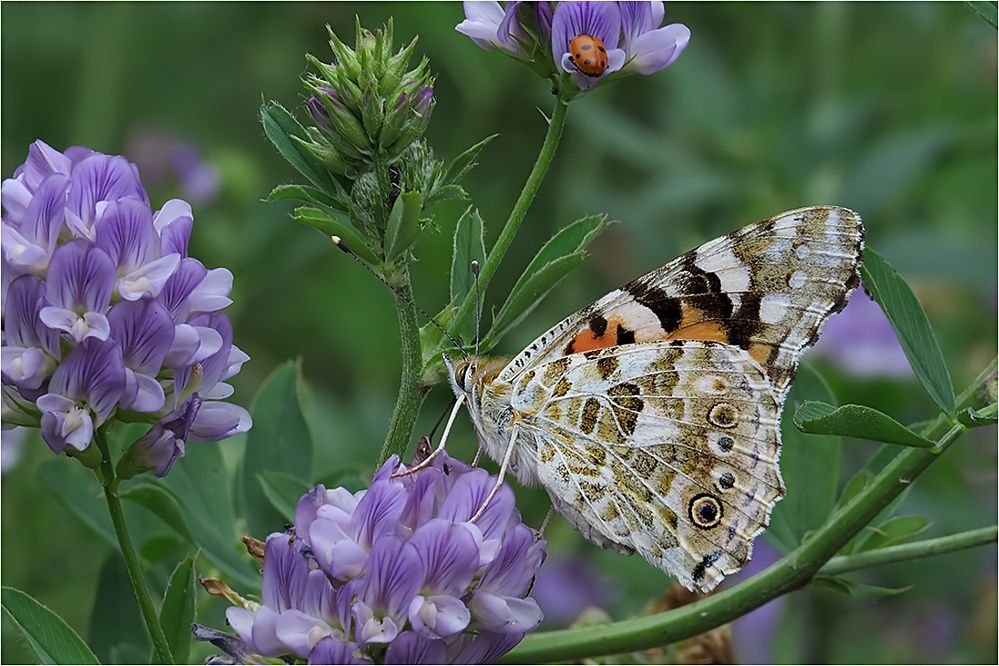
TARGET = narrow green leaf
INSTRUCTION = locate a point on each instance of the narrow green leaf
(469, 245)
(340, 226)
(77, 489)
(466, 161)
(403, 224)
(986, 10)
(562, 253)
(976, 418)
(858, 590)
(48, 635)
(911, 326)
(280, 441)
(895, 530)
(177, 610)
(810, 467)
(115, 618)
(855, 421)
(853, 487)
(203, 487)
(159, 500)
(283, 491)
(305, 193)
(280, 126)
(528, 292)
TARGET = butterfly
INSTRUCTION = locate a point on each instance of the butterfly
(652, 416)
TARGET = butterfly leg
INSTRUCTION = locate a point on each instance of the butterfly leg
(544, 523)
(426, 462)
(478, 456)
(499, 477)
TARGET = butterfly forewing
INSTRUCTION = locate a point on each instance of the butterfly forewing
(668, 448)
(766, 288)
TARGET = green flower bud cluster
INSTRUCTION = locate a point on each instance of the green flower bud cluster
(366, 105)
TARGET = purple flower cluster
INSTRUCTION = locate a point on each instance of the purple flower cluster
(105, 313)
(397, 573)
(630, 33)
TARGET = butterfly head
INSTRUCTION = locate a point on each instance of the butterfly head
(470, 375)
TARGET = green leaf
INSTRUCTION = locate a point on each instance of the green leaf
(340, 226)
(976, 418)
(306, 193)
(857, 590)
(203, 487)
(283, 491)
(469, 245)
(403, 224)
(893, 531)
(855, 421)
(48, 635)
(911, 326)
(810, 467)
(77, 489)
(177, 610)
(987, 10)
(280, 126)
(115, 618)
(159, 500)
(466, 161)
(553, 262)
(279, 441)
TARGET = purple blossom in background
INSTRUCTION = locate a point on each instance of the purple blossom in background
(566, 588)
(629, 31)
(861, 340)
(164, 159)
(397, 573)
(104, 312)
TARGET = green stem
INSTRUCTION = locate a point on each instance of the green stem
(411, 393)
(161, 648)
(911, 551)
(790, 573)
(520, 208)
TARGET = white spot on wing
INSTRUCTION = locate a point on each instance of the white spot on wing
(797, 279)
(773, 308)
(732, 272)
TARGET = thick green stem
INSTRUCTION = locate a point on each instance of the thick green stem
(411, 393)
(790, 573)
(520, 208)
(911, 551)
(161, 648)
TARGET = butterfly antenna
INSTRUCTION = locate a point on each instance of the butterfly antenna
(340, 244)
(474, 266)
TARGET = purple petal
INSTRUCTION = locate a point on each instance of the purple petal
(285, 572)
(264, 633)
(22, 325)
(79, 328)
(332, 651)
(393, 577)
(145, 332)
(509, 30)
(212, 293)
(301, 632)
(483, 648)
(179, 287)
(411, 648)
(93, 372)
(218, 420)
(241, 621)
(81, 277)
(148, 280)
(142, 393)
(636, 20)
(175, 237)
(102, 178)
(378, 512)
(43, 161)
(172, 210)
(505, 614)
(449, 555)
(125, 231)
(215, 366)
(16, 198)
(335, 552)
(468, 494)
(64, 423)
(518, 561)
(46, 215)
(543, 15)
(305, 511)
(26, 367)
(438, 616)
(21, 254)
(596, 19)
(658, 49)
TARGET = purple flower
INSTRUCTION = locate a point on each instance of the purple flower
(566, 588)
(164, 159)
(104, 312)
(397, 573)
(492, 26)
(601, 20)
(650, 48)
(861, 341)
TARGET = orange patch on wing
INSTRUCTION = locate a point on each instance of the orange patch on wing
(760, 352)
(586, 340)
(693, 327)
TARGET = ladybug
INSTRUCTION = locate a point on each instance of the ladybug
(588, 54)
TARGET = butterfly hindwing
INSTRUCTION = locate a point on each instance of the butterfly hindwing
(766, 288)
(667, 448)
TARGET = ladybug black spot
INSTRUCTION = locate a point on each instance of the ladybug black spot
(602, 49)
(587, 61)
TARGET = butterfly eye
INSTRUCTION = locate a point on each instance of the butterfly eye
(461, 374)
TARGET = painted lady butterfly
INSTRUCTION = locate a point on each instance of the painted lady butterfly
(652, 417)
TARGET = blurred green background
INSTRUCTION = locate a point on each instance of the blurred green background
(889, 109)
